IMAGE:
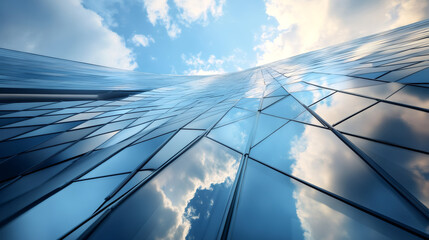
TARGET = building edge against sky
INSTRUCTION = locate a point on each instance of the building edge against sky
(330, 144)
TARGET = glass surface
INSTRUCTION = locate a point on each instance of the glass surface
(340, 106)
(61, 212)
(317, 156)
(12, 147)
(81, 116)
(310, 97)
(205, 123)
(269, 101)
(114, 126)
(17, 165)
(38, 121)
(414, 96)
(287, 108)
(234, 135)
(381, 91)
(393, 124)
(307, 117)
(279, 92)
(29, 182)
(128, 159)
(274, 206)
(124, 134)
(267, 125)
(29, 113)
(53, 128)
(68, 136)
(21, 106)
(6, 133)
(417, 77)
(81, 147)
(174, 145)
(409, 168)
(251, 104)
(186, 200)
(406, 75)
(233, 115)
(94, 122)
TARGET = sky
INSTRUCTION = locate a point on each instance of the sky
(193, 37)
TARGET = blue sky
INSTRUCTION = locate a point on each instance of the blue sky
(193, 36)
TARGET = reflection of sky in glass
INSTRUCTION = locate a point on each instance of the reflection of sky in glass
(317, 156)
(273, 206)
(185, 201)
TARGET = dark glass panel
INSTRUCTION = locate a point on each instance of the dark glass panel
(61, 212)
(409, 168)
(393, 124)
(186, 200)
(129, 158)
(414, 96)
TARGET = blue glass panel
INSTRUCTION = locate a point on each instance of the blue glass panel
(29, 113)
(81, 147)
(61, 212)
(12, 147)
(205, 123)
(80, 116)
(94, 122)
(29, 182)
(317, 156)
(269, 101)
(21, 106)
(251, 104)
(111, 127)
(38, 121)
(17, 165)
(233, 115)
(339, 106)
(274, 206)
(267, 125)
(179, 141)
(279, 92)
(54, 128)
(310, 97)
(393, 124)
(307, 117)
(129, 158)
(234, 135)
(287, 108)
(68, 136)
(418, 77)
(12, 132)
(172, 203)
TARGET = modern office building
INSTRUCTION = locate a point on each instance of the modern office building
(330, 144)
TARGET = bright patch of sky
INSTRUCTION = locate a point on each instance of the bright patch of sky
(193, 36)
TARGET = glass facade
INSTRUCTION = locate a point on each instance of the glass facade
(330, 144)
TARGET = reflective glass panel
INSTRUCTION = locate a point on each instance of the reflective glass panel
(186, 200)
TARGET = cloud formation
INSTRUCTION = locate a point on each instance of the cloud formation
(190, 11)
(308, 25)
(214, 65)
(63, 29)
(142, 40)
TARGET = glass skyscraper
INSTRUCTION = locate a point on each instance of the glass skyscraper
(330, 144)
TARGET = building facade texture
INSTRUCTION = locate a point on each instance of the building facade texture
(330, 144)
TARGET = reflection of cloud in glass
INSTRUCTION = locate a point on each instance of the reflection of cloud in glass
(323, 160)
(180, 198)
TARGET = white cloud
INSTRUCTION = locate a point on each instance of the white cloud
(213, 65)
(63, 29)
(308, 25)
(142, 40)
(193, 10)
(157, 11)
(190, 11)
